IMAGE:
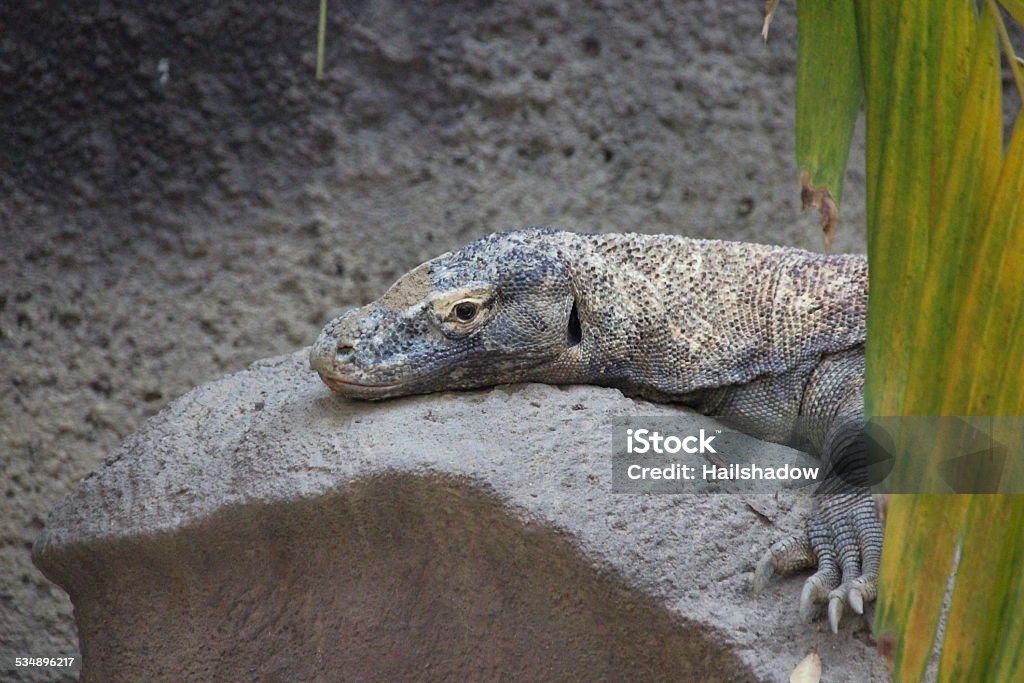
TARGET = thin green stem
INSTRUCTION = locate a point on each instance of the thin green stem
(321, 40)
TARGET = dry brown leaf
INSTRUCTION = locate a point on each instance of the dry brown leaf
(808, 670)
(821, 199)
(769, 13)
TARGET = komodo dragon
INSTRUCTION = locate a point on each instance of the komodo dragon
(728, 328)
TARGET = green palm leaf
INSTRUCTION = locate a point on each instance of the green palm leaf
(946, 315)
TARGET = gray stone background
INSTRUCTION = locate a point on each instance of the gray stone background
(162, 226)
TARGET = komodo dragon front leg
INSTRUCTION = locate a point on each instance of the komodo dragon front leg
(843, 538)
(758, 333)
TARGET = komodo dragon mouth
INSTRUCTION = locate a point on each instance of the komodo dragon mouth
(339, 386)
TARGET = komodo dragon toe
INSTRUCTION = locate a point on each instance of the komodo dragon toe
(844, 542)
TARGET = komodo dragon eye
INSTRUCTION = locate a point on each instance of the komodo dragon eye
(462, 311)
(465, 311)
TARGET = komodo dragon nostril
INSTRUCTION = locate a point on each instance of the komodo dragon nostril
(344, 349)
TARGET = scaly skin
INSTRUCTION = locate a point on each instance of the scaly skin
(749, 331)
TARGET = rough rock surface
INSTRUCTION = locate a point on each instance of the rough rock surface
(163, 225)
(260, 528)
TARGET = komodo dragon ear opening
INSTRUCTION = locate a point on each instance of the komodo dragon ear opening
(574, 332)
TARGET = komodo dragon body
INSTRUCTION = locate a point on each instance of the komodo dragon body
(755, 332)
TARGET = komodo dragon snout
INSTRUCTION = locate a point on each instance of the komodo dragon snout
(466, 319)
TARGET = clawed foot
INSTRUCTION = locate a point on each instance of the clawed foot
(844, 541)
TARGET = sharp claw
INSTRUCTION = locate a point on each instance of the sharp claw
(807, 603)
(764, 573)
(835, 613)
(856, 601)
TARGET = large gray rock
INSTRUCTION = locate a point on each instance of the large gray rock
(261, 529)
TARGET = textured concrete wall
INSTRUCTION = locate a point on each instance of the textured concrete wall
(163, 226)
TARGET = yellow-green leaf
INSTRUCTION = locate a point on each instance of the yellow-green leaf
(963, 171)
(899, 47)
(921, 534)
(984, 638)
(1015, 8)
(991, 345)
(828, 97)
(946, 316)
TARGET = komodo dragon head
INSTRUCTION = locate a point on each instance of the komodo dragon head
(499, 310)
